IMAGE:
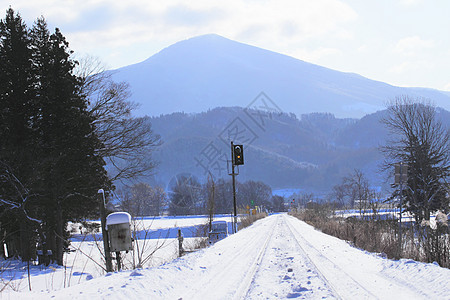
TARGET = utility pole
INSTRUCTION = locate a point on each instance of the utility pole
(401, 175)
(233, 174)
(108, 259)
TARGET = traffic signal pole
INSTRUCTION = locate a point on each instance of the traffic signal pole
(237, 158)
(233, 174)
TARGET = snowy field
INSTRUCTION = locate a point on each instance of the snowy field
(279, 257)
(385, 214)
(156, 243)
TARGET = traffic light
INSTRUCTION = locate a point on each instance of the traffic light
(238, 153)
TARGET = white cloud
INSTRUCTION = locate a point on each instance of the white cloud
(447, 87)
(104, 26)
(411, 66)
(410, 2)
(413, 45)
(316, 54)
(57, 11)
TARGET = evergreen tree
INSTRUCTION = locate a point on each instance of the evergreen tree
(71, 169)
(17, 111)
(423, 142)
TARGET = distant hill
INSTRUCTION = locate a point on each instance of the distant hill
(312, 152)
(210, 71)
(317, 124)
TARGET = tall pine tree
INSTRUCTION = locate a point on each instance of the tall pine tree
(17, 112)
(49, 150)
(71, 169)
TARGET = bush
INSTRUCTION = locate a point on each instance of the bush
(250, 219)
(198, 243)
(380, 236)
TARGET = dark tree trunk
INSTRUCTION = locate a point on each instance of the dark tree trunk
(59, 235)
(24, 241)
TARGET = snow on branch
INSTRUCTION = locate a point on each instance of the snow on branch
(22, 193)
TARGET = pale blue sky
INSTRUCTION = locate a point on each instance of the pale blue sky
(401, 42)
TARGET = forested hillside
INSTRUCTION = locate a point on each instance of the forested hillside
(312, 152)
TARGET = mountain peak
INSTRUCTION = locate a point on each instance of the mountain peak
(209, 71)
(207, 44)
(209, 37)
(205, 39)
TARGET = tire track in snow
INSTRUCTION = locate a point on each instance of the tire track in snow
(331, 273)
(286, 273)
(367, 281)
(244, 287)
(223, 281)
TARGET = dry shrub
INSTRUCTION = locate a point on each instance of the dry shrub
(250, 219)
(433, 245)
(202, 230)
(198, 243)
(376, 235)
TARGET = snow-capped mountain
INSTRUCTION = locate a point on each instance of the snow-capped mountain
(209, 71)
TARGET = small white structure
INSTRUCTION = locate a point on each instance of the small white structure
(118, 225)
(219, 231)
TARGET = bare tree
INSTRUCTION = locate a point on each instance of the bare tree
(186, 196)
(359, 191)
(419, 139)
(127, 141)
(158, 200)
(210, 190)
(143, 200)
(304, 198)
(253, 193)
(223, 196)
(278, 203)
(339, 194)
(355, 190)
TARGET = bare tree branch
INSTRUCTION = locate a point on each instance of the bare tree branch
(419, 139)
(127, 141)
(20, 195)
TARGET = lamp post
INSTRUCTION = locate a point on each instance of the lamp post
(108, 259)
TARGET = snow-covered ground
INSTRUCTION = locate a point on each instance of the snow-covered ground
(85, 261)
(278, 257)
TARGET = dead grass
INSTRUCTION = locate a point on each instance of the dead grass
(248, 220)
(381, 236)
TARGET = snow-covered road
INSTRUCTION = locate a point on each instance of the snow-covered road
(278, 257)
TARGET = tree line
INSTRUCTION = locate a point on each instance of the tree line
(60, 122)
(418, 139)
(421, 141)
(187, 196)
